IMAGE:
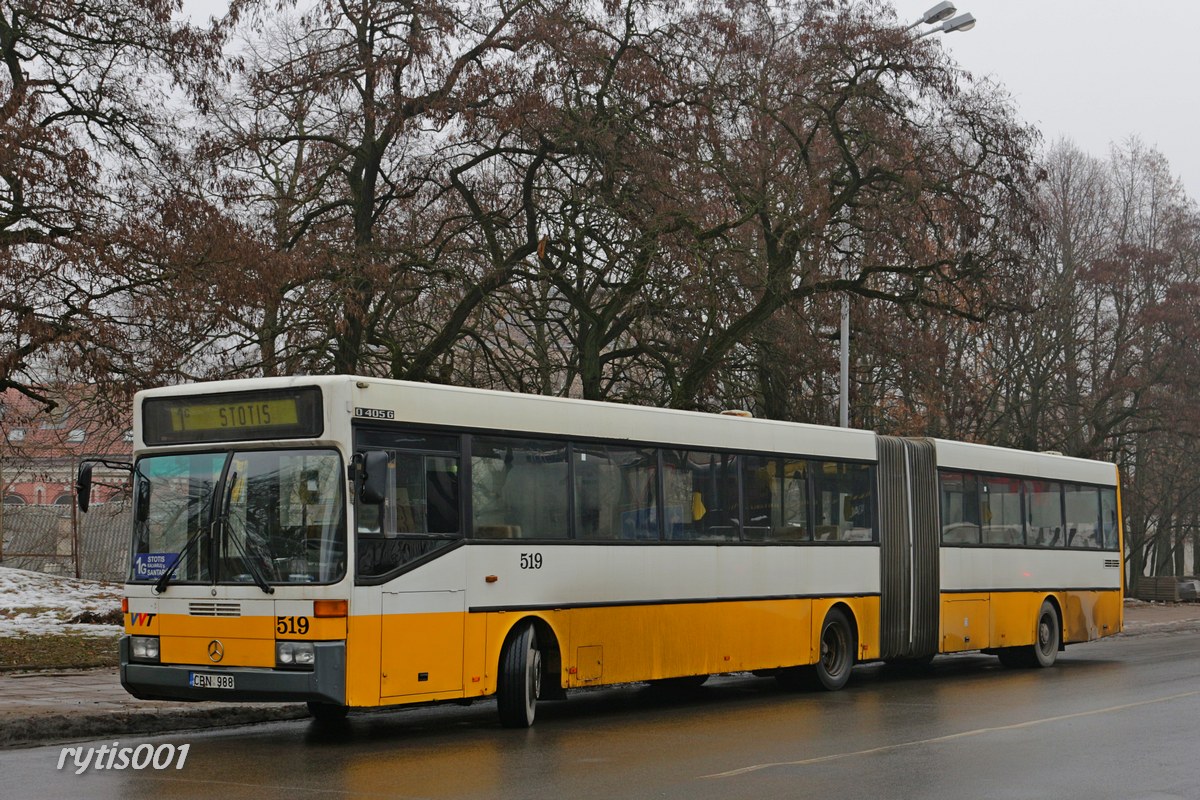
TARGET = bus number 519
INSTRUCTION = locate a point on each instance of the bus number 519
(531, 560)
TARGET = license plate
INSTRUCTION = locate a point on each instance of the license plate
(209, 680)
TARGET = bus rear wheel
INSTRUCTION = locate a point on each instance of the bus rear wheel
(1049, 633)
(520, 682)
(1044, 650)
(837, 645)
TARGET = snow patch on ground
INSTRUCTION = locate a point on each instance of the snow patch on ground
(36, 603)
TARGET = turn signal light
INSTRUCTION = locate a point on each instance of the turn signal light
(329, 608)
(124, 605)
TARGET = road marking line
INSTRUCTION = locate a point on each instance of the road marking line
(949, 737)
(277, 786)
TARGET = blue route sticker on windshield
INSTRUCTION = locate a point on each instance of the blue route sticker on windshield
(151, 566)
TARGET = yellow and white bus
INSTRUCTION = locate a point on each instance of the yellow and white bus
(357, 542)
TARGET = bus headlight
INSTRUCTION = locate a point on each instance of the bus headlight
(143, 648)
(294, 654)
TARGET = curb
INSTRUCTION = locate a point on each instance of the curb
(1151, 628)
(48, 729)
(59, 668)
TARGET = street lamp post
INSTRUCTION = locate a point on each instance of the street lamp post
(943, 12)
(844, 395)
(963, 22)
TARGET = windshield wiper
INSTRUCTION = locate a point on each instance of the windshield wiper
(161, 585)
(165, 578)
(226, 529)
(251, 564)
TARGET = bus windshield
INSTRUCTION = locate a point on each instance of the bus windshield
(273, 516)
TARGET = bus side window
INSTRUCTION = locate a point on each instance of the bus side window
(762, 501)
(960, 507)
(441, 478)
(1109, 524)
(844, 504)
(1000, 511)
(615, 493)
(1043, 514)
(421, 497)
(704, 490)
(797, 511)
(519, 488)
(1082, 505)
(679, 513)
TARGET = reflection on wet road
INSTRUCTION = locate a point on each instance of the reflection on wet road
(1114, 719)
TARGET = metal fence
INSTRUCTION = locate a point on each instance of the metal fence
(53, 540)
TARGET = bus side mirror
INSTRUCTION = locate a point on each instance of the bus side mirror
(374, 477)
(83, 486)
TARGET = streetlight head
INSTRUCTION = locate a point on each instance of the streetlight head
(963, 22)
(941, 11)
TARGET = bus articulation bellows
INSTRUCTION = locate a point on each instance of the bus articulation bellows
(356, 542)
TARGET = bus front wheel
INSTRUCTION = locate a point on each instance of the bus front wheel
(837, 645)
(520, 682)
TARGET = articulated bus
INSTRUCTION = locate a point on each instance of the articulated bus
(357, 543)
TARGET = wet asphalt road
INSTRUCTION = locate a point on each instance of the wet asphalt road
(1115, 719)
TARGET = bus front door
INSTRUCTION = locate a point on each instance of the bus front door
(422, 643)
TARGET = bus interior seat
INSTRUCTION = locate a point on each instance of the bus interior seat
(498, 531)
(961, 534)
(1001, 534)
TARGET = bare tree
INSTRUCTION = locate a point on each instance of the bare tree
(371, 105)
(82, 97)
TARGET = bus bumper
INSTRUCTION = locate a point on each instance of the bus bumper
(325, 683)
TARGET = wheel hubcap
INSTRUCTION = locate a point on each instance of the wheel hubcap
(1045, 634)
(831, 651)
(535, 675)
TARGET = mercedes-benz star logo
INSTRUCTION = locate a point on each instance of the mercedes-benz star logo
(216, 651)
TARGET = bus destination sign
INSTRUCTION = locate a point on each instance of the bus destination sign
(226, 416)
(273, 414)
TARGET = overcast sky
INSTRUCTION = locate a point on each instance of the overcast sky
(1093, 71)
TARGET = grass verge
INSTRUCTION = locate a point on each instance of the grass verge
(58, 651)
